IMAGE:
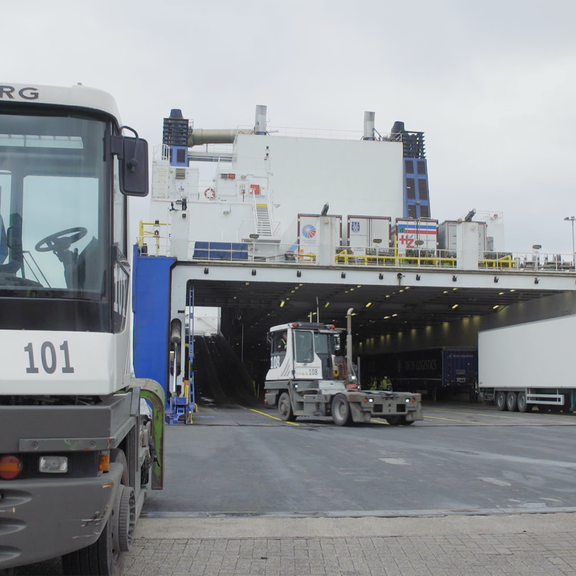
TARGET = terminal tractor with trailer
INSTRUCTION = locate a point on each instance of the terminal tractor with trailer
(80, 441)
(309, 376)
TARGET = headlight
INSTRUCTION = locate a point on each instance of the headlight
(53, 464)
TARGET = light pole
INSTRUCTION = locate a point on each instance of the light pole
(536, 247)
(571, 219)
(254, 237)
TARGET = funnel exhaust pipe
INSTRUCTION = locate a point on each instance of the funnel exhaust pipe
(369, 125)
(260, 122)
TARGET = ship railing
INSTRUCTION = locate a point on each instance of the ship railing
(155, 240)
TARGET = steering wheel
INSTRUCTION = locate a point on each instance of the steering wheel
(61, 240)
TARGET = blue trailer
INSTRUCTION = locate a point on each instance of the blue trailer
(437, 371)
(432, 371)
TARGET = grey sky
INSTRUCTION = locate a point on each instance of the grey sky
(491, 83)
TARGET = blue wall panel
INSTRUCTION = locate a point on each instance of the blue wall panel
(151, 307)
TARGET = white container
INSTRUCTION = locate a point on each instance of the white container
(449, 231)
(368, 232)
(318, 237)
(411, 236)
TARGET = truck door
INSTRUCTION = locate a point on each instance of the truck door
(323, 346)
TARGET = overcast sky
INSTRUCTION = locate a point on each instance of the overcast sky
(491, 83)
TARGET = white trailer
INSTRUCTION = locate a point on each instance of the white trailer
(529, 365)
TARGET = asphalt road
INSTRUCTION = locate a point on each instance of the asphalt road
(460, 459)
(237, 476)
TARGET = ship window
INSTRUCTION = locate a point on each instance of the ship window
(409, 166)
(424, 212)
(411, 211)
(421, 167)
(410, 192)
(422, 191)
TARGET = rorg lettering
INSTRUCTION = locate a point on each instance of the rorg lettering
(28, 93)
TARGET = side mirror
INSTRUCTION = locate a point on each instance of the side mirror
(133, 156)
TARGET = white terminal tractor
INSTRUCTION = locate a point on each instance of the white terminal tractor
(80, 441)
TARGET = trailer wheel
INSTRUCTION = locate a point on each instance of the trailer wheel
(511, 402)
(523, 406)
(285, 408)
(501, 400)
(341, 413)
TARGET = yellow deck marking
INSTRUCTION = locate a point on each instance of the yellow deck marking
(269, 416)
(517, 416)
(453, 420)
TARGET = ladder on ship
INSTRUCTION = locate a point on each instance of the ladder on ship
(262, 220)
(189, 357)
(182, 404)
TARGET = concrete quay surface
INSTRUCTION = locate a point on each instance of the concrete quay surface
(492, 545)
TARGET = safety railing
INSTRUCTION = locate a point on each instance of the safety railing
(154, 240)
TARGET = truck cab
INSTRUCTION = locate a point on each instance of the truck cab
(306, 350)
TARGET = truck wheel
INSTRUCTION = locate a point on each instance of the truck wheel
(523, 406)
(126, 518)
(341, 413)
(511, 402)
(98, 559)
(285, 408)
(399, 421)
(501, 400)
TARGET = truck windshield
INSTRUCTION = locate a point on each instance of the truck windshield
(52, 224)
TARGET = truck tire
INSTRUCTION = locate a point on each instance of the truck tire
(512, 402)
(105, 557)
(98, 559)
(399, 421)
(341, 413)
(523, 406)
(285, 408)
(126, 518)
(501, 400)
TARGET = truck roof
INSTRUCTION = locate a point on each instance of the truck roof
(305, 325)
(76, 96)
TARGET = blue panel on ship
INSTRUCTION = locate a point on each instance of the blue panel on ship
(221, 250)
(150, 304)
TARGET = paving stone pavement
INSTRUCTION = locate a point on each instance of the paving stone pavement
(524, 544)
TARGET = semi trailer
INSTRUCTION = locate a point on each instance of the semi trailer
(80, 441)
(437, 371)
(528, 365)
(434, 372)
(309, 376)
